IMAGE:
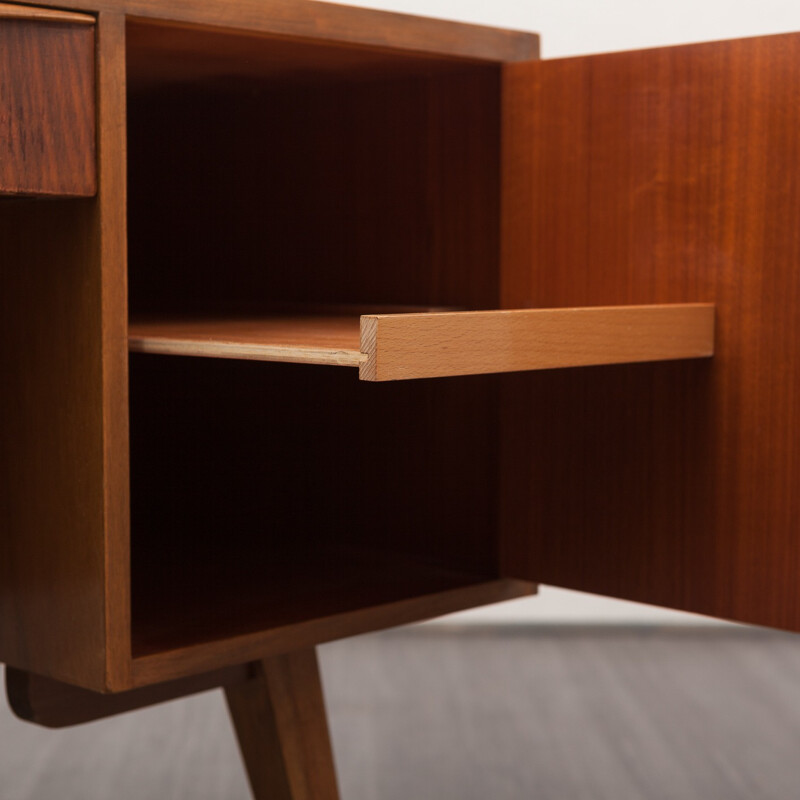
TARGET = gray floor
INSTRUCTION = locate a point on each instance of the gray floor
(422, 714)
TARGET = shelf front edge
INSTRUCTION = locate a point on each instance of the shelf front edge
(406, 346)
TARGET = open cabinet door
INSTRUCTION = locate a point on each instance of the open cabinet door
(660, 176)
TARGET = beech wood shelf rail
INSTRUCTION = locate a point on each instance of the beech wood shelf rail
(429, 345)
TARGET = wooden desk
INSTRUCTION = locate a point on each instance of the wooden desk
(222, 187)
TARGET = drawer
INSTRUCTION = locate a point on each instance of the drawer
(47, 103)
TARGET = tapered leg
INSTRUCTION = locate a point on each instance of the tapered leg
(280, 720)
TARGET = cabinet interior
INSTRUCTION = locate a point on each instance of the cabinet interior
(265, 176)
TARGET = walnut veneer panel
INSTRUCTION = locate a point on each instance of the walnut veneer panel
(63, 428)
(416, 161)
(47, 109)
(660, 176)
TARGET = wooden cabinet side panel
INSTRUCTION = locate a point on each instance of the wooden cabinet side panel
(51, 459)
(63, 429)
(659, 176)
(111, 229)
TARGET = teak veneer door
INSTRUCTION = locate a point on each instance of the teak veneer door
(659, 176)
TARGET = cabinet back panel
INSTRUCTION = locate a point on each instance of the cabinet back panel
(250, 474)
(365, 193)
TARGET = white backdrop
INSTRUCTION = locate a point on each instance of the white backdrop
(574, 27)
(578, 27)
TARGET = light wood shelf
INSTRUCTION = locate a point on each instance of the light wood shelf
(439, 344)
(300, 339)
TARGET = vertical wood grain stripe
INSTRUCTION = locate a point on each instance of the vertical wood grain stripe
(112, 225)
(403, 346)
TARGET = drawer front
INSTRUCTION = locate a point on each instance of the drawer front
(47, 103)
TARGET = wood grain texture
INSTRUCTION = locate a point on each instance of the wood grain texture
(112, 231)
(414, 159)
(405, 346)
(288, 462)
(52, 570)
(308, 473)
(224, 648)
(8, 11)
(333, 23)
(413, 162)
(429, 345)
(53, 704)
(231, 610)
(282, 726)
(660, 176)
(328, 594)
(172, 53)
(63, 431)
(47, 106)
(331, 340)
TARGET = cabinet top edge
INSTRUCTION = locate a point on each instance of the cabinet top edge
(9, 11)
(329, 22)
